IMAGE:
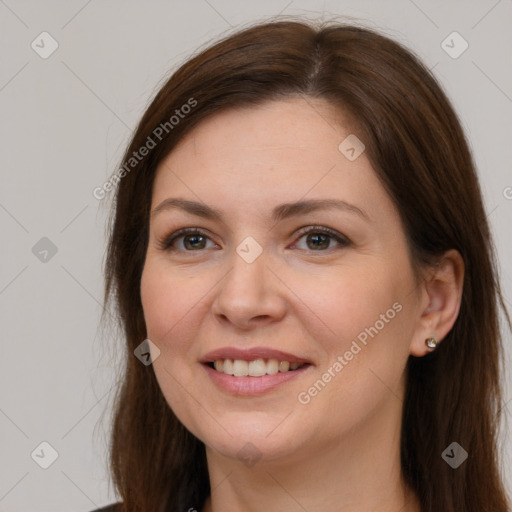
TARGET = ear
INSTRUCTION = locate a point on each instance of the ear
(440, 298)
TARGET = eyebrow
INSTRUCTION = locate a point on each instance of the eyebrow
(279, 213)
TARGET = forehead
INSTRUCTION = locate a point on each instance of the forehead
(279, 151)
(294, 123)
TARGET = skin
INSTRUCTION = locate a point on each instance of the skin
(296, 298)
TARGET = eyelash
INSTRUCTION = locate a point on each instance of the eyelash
(166, 243)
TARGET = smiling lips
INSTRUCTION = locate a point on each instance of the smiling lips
(252, 371)
(255, 368)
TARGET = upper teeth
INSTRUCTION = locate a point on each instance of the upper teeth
(256, 368)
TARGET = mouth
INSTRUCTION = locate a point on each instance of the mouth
(252, 372)
(254, 368)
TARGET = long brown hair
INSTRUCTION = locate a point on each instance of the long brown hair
(418, 149)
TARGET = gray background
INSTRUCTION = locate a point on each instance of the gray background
(65, 121)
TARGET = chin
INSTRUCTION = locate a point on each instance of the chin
(251, 452)
(252, 441)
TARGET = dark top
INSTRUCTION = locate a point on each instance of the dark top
(109, 508)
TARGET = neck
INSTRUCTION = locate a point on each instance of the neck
(362, 473)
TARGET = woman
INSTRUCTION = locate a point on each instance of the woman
(299, 247)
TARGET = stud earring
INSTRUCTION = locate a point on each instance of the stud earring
(431, 343)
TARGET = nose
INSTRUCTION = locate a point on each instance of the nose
(250, 294)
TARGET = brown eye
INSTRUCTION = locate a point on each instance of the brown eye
(193, 240)
(320, 239)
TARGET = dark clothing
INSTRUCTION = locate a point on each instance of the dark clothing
(109, 508)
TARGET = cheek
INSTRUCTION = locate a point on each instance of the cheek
(350, 300)
(367, 311)
(170, 303)
(366, 350)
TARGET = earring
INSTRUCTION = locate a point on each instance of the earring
(431, 343)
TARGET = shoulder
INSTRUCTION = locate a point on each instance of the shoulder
(115, 507)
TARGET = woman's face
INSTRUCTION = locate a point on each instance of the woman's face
(263, 281)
